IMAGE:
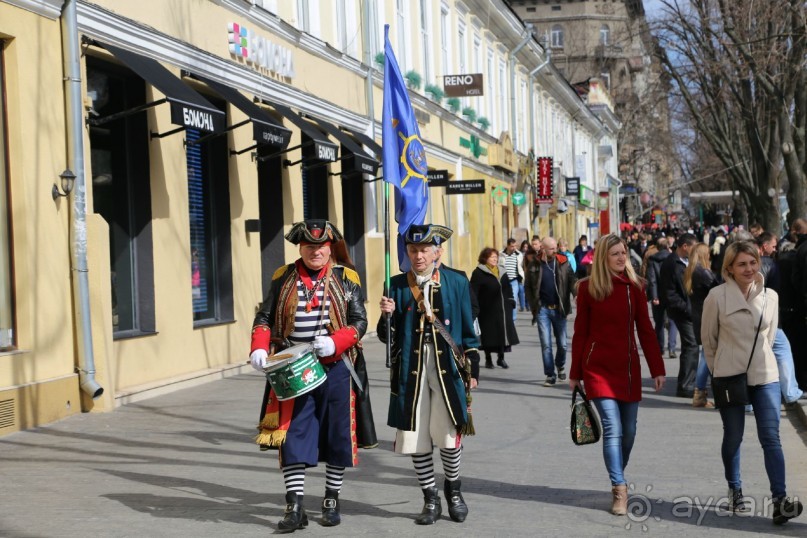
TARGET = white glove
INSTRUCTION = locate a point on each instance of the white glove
(258, 359)
(324, 346)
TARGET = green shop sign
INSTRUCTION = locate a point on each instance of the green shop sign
(500, 194)
(587, 196)
(519, 198)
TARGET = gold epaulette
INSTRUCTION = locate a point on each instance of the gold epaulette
(353, 276)
(280, 272)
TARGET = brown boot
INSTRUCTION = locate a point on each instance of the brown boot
(620, 504)
(699, 399)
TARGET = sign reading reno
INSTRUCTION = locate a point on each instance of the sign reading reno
(259, 52)
(462, 85)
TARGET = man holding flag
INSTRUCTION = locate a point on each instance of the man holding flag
(426, 318)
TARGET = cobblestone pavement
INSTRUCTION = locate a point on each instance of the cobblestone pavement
(183, 464)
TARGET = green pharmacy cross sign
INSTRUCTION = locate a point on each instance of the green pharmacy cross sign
(474, 144)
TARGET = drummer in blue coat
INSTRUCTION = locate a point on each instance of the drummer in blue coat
(433, 341)
(315, 301)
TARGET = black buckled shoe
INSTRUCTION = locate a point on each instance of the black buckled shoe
(737, 502)
(432, 508)
(295, 516)
(330, 508)
(501, 363)
(457, 508)
(786, 509)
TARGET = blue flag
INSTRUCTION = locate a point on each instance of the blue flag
(403, 153)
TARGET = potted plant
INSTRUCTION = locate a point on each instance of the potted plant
(413, 80)
(379, 60)
(469, 114)
(453, 104)
(483, 122)
(436, 92)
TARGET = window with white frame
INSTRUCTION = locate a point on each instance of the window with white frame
(605, 35)
(605, 76)
(556, 37)
(341, 25)
(523, 114)
(303, 16)
(489, 98)
(7, 337)
(400, 18)
(463, 62)
(268, 5)
(445, 39)
(480, 108)
(503, 95)
(425, 5)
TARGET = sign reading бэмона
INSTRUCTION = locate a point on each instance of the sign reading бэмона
(259, 52)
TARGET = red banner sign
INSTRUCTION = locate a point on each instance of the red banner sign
(544, 194)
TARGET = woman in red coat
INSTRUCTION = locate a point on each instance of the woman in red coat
(605, 355)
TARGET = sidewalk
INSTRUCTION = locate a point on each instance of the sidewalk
(183, 465)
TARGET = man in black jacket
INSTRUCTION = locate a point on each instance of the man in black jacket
(795, 324)
(675, 300)
(659, 315)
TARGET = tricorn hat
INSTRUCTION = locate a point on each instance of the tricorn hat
(427, 234)
(314, 231)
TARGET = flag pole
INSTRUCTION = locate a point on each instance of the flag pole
(388, 338)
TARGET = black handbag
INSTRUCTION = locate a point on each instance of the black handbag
(585, 424)
(732, 390)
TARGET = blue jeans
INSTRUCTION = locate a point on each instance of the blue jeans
(514, 287)
(522, 297)
(554, 320)
(787, 373)
(766, 400)
(618, 432)
(673, 337)
(702, 373)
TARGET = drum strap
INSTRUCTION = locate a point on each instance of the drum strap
(346, 359)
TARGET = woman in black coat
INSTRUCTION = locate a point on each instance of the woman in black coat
(698, 280)
(495, 296)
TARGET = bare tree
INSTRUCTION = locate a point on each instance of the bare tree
(739, 67)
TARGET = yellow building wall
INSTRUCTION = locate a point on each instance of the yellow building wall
(44, 360)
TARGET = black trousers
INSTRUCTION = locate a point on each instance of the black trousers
(795, 328)
(688, 360)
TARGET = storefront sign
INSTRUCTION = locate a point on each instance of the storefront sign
(462, 85)
(544, 194)
(325, 152)
(501, 155)
(587, 196)
(519, 198)
(437, 178)
(259, 52)
(572, 186)
(500, 194)
(476, 186)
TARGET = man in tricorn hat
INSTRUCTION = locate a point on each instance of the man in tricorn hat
(316, 300)
(433, 340)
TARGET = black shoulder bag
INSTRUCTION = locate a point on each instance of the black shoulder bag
(732, 391)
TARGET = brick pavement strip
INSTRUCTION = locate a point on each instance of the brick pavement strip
(183, 464)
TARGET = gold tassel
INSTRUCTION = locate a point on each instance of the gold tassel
(270, 421)
(270, 439)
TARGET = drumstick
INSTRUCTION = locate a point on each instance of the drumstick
(278, 357)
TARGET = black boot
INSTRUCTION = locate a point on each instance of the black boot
(295, 517)
(737, 502)
(431, 507)
(488, 361)
(786, 509)
(330, 508)
(457, 508)
(501, 362)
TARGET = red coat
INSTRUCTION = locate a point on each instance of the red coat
(604, 351)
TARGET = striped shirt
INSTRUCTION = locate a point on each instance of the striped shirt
(511, 264)
(309, 325)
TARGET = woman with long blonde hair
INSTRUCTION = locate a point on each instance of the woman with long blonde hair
(611, 304)
(698, 280)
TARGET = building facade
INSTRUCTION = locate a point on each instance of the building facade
(197, 133)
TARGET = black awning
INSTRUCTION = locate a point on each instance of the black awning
(188, 108)
(374, 146)
(358, 160)
(265, 130)
(324, 149)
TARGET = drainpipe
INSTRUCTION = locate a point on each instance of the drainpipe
(524, 42)
(78, 223)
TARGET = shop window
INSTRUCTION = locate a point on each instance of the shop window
(121, 193)
(7, 338)
(209, 214)
(315, 186)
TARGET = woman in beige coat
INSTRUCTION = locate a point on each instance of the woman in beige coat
(731, 314)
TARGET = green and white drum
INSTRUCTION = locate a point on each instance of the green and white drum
(297, 371)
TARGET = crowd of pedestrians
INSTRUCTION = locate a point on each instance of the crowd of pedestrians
(719, 292)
